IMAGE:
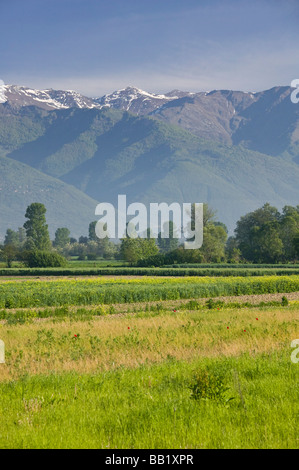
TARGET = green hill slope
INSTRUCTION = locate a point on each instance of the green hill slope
(108, 152)
(168, 164)
(53, 142)
(20, 185)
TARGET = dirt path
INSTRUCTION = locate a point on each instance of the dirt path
(253, 299)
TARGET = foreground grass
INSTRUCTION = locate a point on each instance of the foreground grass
(77, 380)
(151, 407)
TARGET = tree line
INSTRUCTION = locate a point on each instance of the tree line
(262, 236)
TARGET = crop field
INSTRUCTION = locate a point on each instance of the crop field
(32, 293)
(155, 271)
(149, 362)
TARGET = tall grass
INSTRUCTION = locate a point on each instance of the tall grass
(81, 341)
(152, 407)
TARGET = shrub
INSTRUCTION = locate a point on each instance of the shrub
(44, 259)
(192, 305)
(91, 256)
(214, 303)
(207, 385)
(101, 310)
(284, 301)
(154, 260)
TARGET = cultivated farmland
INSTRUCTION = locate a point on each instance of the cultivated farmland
(149, 362)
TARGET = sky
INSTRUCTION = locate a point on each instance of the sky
(98, 46)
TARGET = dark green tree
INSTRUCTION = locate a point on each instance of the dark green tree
(29, 244)
(15, 238)
(209, 216)
(289, 230)
(296, 246)
(232, 252)
(36, 226)
(103, 247)
(213, 247)
(171, 242)
(9, 254)
(62, 237)
(214, 236)
(11, 237)
(91, 231)
(135, 249)
(258, 235)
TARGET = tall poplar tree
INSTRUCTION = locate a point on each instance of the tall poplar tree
(36, 226)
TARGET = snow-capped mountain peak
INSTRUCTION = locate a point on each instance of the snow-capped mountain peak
(134, 100)
(19, 96)
(130, 99)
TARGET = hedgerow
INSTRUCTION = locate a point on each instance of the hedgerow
(131, 271)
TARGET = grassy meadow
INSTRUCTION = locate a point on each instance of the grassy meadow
(127, 362)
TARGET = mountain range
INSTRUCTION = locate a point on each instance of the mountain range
(231, 149)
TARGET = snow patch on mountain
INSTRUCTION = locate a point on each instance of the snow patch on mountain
(134, 99)
(3, 98)
(49, 99)
(131, 93)
(130, 99)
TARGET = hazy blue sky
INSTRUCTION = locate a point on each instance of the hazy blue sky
(98, 46)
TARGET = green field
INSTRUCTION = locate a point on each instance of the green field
(120, 268)
(109, 290)
(150, 407)
(149, 363)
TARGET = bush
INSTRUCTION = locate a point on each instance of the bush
(44, 259)
(214, 303)
(284, 301)
(91, 256)
(155, 260)
(192, 305)
(208, 385)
